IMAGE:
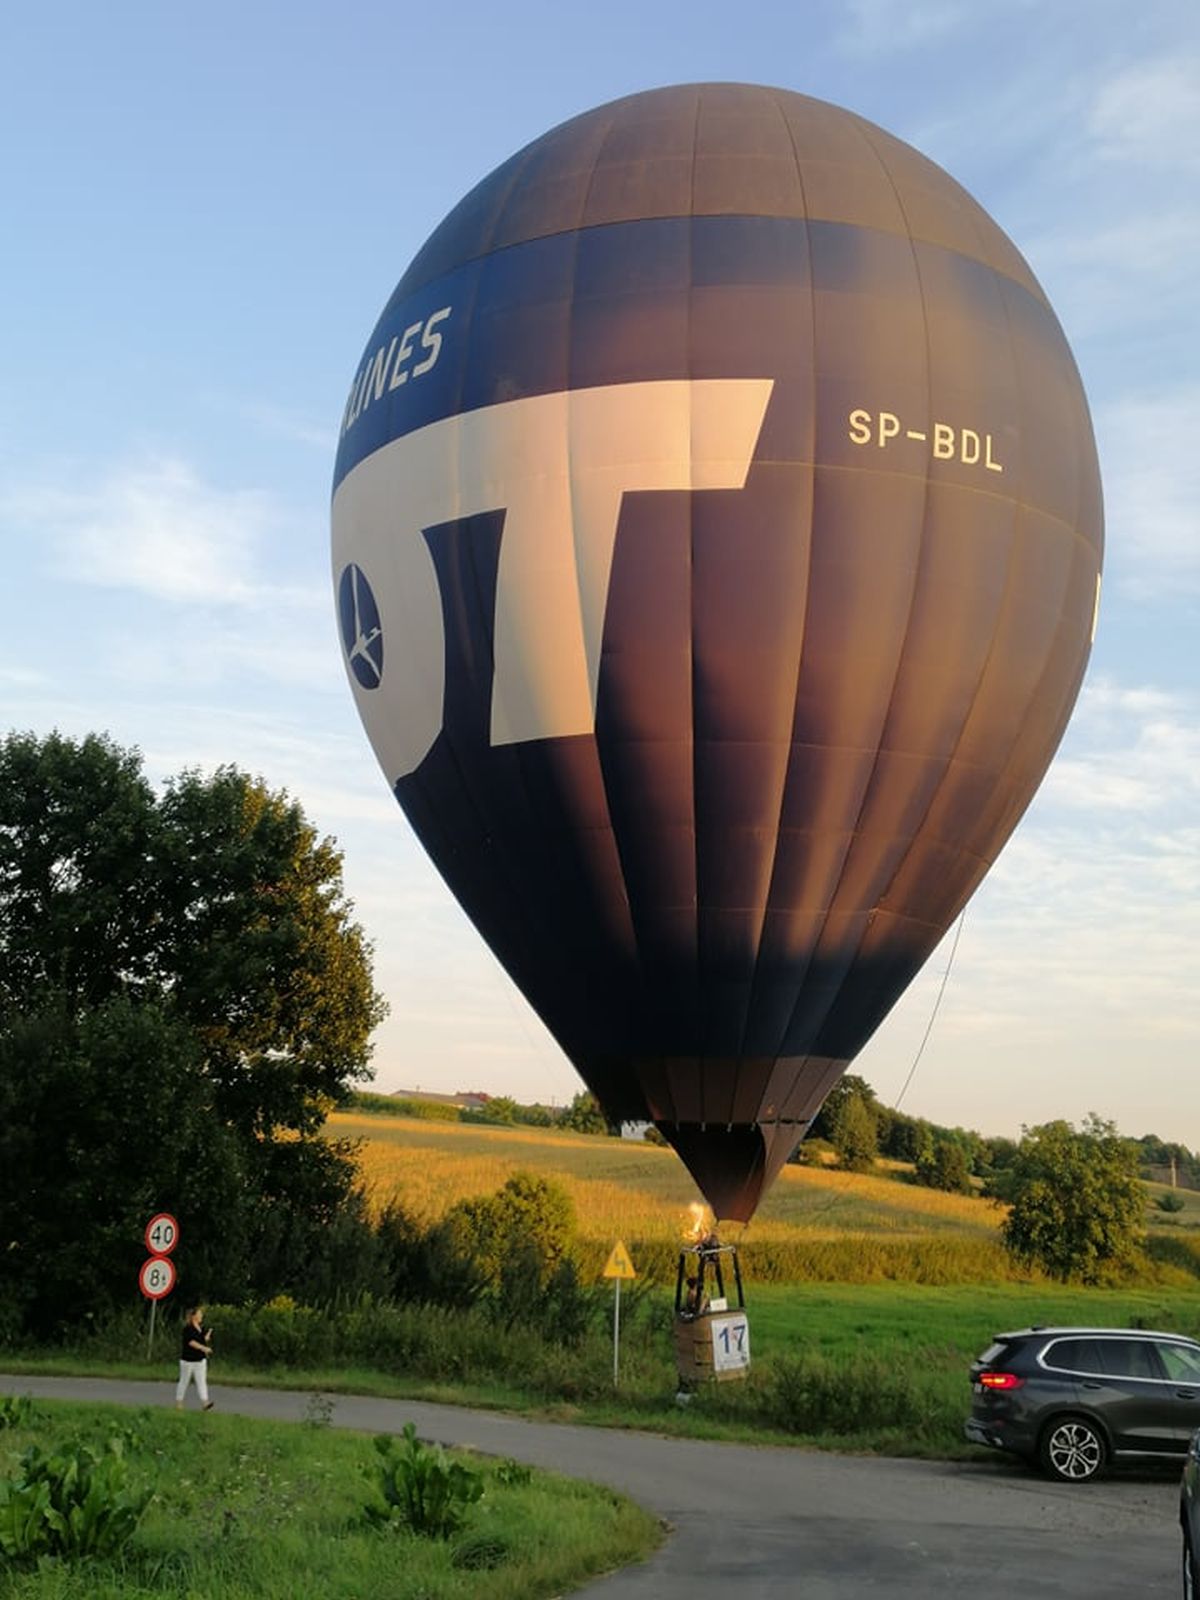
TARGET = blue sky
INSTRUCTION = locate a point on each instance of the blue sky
(204, 212)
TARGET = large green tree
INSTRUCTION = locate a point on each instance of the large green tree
(855, 1134)
(183, 996)
(1076, 1205)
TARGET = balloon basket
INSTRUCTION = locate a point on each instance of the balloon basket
(712, 1331)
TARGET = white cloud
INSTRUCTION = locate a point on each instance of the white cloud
(1152, 490)
(280, 423)
(1122, 277)
(893, 25)
(156, 528)
(1076, 979)
(1149, 114)
(1134, 751)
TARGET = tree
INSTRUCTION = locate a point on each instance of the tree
(584, 1115)
(850, 1084)
(854, 1135)
(945, 1167)
(997, 1155)
(1076, 1203)
(529, 1220)
(182, 971)
(104, 1119)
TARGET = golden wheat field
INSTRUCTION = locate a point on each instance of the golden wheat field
(627, 1189)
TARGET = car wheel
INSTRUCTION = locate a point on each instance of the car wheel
(1189, 1569)
(1072, 1450)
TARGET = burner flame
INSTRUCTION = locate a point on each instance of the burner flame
(698, 1224)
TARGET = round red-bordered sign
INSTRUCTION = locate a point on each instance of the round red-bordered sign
(157, 1277)
(162, 1234)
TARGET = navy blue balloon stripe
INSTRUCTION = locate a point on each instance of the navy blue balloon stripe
(534, 318)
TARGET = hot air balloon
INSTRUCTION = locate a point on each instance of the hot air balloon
(717, 533)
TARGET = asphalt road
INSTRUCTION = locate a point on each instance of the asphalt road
(777, 1522)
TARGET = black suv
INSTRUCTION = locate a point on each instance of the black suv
(1076, 1398)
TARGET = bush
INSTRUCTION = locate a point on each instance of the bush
(16, 1411)
(73, 1503)
(421, 1488)
(860, 1395)
(529, 1219)
(1169, 1202)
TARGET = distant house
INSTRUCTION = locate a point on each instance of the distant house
(463, 1099)
(634, 1130)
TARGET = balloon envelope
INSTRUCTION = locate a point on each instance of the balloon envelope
(717, 534)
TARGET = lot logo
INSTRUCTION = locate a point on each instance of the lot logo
(558, 466)
(362, 636)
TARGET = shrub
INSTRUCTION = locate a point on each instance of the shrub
(1170, 1202)
(528, 1218)
(421, 1488)
(73, 1503)
(16, 1411)
(811, 1394)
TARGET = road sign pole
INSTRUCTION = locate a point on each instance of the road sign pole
(616, 1330)
(617, 1267)
(150, 1340)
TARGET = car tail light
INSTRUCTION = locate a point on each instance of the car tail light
(1000, 1380)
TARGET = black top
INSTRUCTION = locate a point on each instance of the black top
(201, 1335)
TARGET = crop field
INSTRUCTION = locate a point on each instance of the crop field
(634, 1187)
(816, 1224)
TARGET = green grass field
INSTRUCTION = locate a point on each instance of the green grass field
(268, 1511)
(868, 1298)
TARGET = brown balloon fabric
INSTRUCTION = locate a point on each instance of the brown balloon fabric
(717, 530)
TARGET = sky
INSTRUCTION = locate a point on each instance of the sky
(204, 211)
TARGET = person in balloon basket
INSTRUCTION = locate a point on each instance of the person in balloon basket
(695, 1302)
(195, 1347)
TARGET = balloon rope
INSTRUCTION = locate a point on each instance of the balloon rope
(934, 1012)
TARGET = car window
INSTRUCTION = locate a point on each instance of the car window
(1073, 1355)
(1128, 1358)
(1182, 1362)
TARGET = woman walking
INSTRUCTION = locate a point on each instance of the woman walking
(194, 1350)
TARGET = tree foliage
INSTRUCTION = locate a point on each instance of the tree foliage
(850, 1085)
(584, 1115)
(855, 1134)
(1076, 1203)
(945, 1167)
(183, 995)
(529, 1217)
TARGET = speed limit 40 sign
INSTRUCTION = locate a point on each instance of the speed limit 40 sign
(162, 1234)
(157, 1277)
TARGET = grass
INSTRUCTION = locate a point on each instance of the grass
(268, 1511)
(861, 1367)
(869, 1296)
(1188, 1217)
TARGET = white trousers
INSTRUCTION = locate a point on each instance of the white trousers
(192, 1372)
